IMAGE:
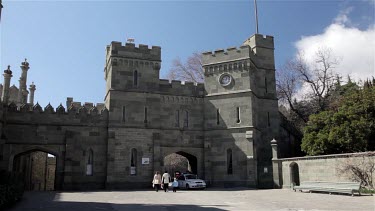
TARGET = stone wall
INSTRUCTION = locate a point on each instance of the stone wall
(322, 168)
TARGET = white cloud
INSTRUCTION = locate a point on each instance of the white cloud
(355, 48)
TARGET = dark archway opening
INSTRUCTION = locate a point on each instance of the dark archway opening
(294, 174)
(38, 169)
(182, 162)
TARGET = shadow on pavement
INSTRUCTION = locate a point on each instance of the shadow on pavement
(50, 201)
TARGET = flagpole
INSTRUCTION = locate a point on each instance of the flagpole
(256, 16)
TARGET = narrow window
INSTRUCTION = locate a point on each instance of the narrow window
(229, 162)
(268, 118)
(186, 120)
(123, 114)
(217, 116)
(135, 78)
(145, 120)
(89, 170)
(265, 84)
(238, 115)
(177, 118)
(133, 162)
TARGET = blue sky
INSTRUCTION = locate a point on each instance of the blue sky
(65, 41)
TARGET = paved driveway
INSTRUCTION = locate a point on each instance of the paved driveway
(211, 200)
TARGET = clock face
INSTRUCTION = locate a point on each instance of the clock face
(225, 79)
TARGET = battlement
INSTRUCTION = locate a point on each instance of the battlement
(176, 87)
(75, 108)
(129, 50)
(87, 105)
(59, 116)
(230, 54)
(260, 41)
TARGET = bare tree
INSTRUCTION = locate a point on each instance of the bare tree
(190, 71)
(360, 168)
(288, 85)
(318, 76)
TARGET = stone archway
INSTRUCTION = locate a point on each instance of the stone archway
(53, 174)
(181, 161)
(294, 174)
(38, 169)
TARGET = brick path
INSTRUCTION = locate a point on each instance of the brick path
(210, 200)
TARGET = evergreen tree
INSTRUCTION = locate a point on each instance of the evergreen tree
(349, 128)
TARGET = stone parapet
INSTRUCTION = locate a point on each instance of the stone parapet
(231, 54)
(74, 115)
(129, 50)
(181, 88)
(333, 156)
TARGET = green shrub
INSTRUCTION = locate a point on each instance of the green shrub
(365, 190)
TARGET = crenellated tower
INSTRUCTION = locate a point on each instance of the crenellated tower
(129, 70)
(132, 68)
(241, 90)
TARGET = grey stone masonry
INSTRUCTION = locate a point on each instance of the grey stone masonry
(222, 127)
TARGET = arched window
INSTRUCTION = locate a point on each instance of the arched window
(186, 120)
(135, 78)
(133, 162)
(229, 161)
(123, 119)
(89, 163)
(238, 115)
(217, 116)
(145, 116)
(177, 118)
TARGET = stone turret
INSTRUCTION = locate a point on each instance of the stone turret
(263, 47)
(32, 91)
(7, 76)
(23, 93)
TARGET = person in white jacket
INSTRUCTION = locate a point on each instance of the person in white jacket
(166, 179)
(156, 182)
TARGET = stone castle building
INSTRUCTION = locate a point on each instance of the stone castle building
(223, 127)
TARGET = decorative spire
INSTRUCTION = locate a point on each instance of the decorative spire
(32, 86)
(8, 71)
(25, 64)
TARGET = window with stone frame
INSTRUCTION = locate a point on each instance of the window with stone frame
(229, 162)
(133, 162)
(177, 118)
(217, 117)
(186, 119)
(145, 115)
(89, 163)
(123, 117)
(135, 78)
(238, 111)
